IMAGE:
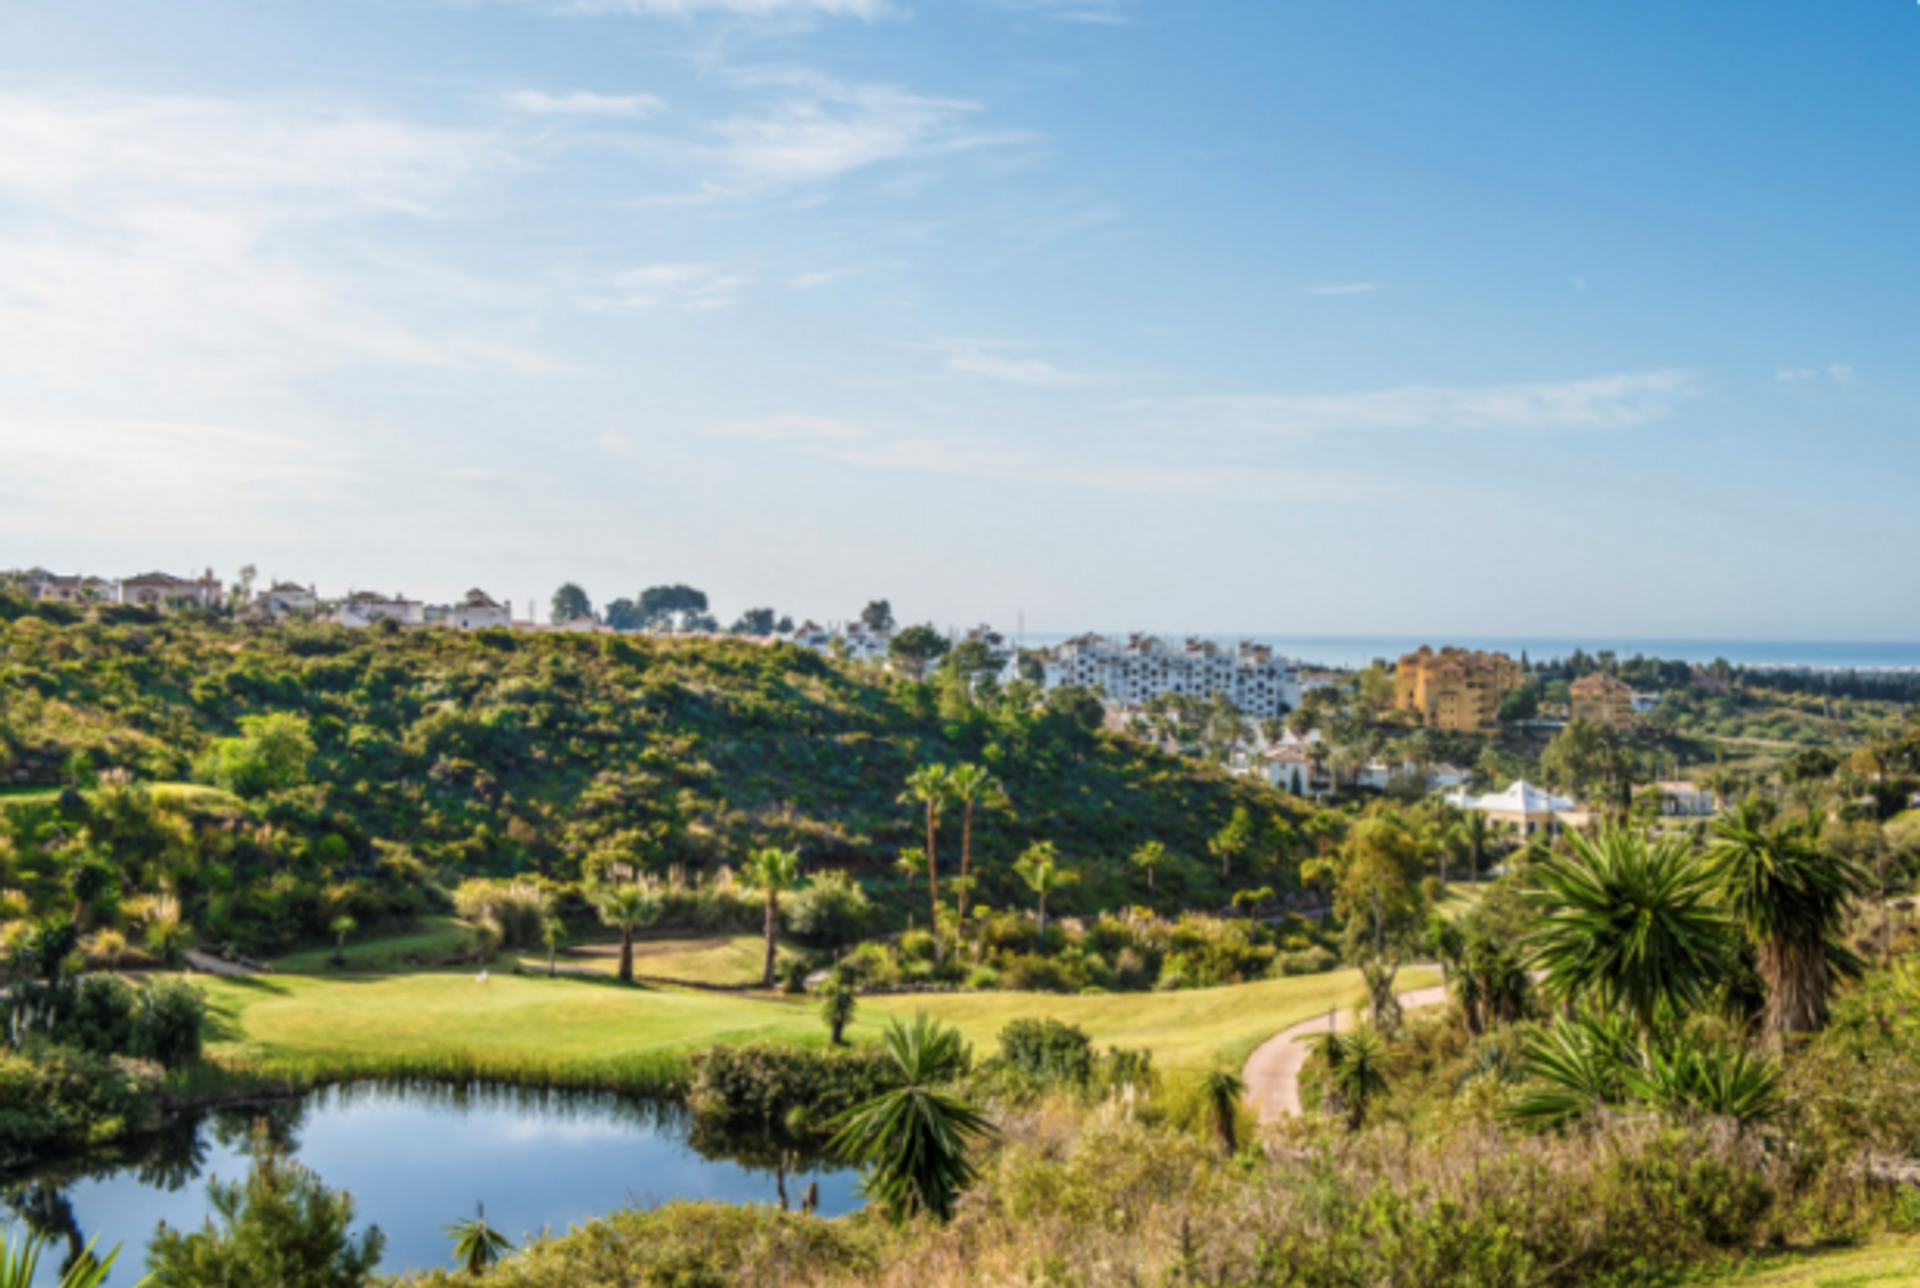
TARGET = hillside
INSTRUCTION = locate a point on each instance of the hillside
(441, 755)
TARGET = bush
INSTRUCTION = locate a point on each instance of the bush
(98, 1016)
(761, 1084)
(1035, 974)
(169, 1023)
(59, 1099)
(829, 911)
(1306, 961)
(1048, 1050)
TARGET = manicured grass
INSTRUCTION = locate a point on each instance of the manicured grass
(435, 938)
(532, 1027)
(1894, 1263)
(730, 960)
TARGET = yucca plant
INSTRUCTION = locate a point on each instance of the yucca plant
(1221, 1089)
(20, 1265)
(1631, 922)
(914, 1139)
(1355, 1076)
(1579, 1068)
(477, 1246)
(1688, 1077)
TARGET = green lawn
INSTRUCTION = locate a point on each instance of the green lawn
(435, 938)
(731, 960)
(1893, 1263)
(354, 1022)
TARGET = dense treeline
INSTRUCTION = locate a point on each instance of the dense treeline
(357, 772)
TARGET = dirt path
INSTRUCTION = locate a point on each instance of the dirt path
(207, 964)
(1272, 1074)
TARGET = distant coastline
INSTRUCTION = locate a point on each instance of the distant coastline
(1353, 651)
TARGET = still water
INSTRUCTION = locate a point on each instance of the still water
(416, 1158)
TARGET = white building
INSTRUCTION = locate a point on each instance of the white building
(1258, 681)
(853, 640)
(1686, 800)
(1644, 704)
(78, 589)
(479, 612)
(1523, 807)
(163, 590)
(364, 608)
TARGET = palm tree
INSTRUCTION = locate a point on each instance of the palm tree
(967, 784)
(913, 1139)
(1631, 920)
(1791, 897)
(1149, 857)
(1354, 1073)
(627, 908)
(773, 871)
(477, 1246)
(928, 786)
(1479, 829)
(20, 1263)
(1232, 840)
(553, 933)
(838, 1000)
(1040, 868)
(341, 926)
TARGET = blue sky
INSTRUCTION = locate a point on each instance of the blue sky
(1304, 316)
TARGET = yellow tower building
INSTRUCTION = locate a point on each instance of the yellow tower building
(1454, 689)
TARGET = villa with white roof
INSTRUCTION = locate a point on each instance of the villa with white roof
(1525, 808)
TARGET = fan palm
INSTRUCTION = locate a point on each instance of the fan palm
(913, 1140)
(477, 1245)
(341, 926)
(839, 997)
(1790, 896)
(20, 1264)
(1631, 921)
(966, 785)
(1040, 868)
(1221, 1090)
(772, 871)
(627, 908)
(553, 933)
(927, 786)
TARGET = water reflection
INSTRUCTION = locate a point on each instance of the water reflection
(416, 1156)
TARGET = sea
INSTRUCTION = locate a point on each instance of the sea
(1351, 652)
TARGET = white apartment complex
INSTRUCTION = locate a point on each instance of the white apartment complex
(1258, 681)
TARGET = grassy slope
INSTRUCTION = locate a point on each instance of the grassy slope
(728, 960)
(317, 1023)
(1891, 1264)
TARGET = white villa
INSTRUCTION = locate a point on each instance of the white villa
(1686, 800)
(163, 590)
(364, 608)
(1259, 682)
(479, 612)
(286, 597)
(1525, 807)
(77, 589)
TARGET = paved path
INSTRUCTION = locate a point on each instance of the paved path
(1272, 1074)
(208, 964)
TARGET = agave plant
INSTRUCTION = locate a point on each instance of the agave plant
(913, 1140)
(1689, 1077)
(1579, 1068)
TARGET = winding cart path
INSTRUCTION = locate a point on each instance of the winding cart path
(1272, 1075)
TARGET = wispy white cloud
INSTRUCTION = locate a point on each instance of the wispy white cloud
(815, 128)
(813, 281)
(533, 102)
(1345, 288)
(1839, 373)
(990, 361)
(692, 287)
(1601, 403)
(793, 429)
(1103, 12)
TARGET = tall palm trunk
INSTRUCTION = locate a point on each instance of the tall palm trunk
(933, 887)
(626, 954)
(1043, 923)
(1796, 976)
(966, 857)
(773, 935)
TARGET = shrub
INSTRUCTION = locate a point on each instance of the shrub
(830, 910)
(1306, 961)
(1035, 974)
(1048, 1050)
(169, 1023)
(760, 1084)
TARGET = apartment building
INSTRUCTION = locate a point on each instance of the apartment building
(1454, 689)
(1602, 699)
(1131, 672)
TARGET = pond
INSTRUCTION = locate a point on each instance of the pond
(415, 1158)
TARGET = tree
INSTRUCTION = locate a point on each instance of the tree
(241, 593)
(913, 1140)
(553, 933)
(966, 785)
(625, 615)
(1221, 1090)
(279, 1226)
(627, 908)
(1520, 703)
(341, 926)
(570, 602)
(771, 871)
(838, 1000)
(659, 605)
(477, 1246)
(1148, 858)
(755, 621)
(1233, 840)
(1580, 756)
(1376, 874)
(916, 648)
(270, 755)
(878, 617)
(1631, 921)
(1790, 895)
(927, 787)
(1039, 866)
